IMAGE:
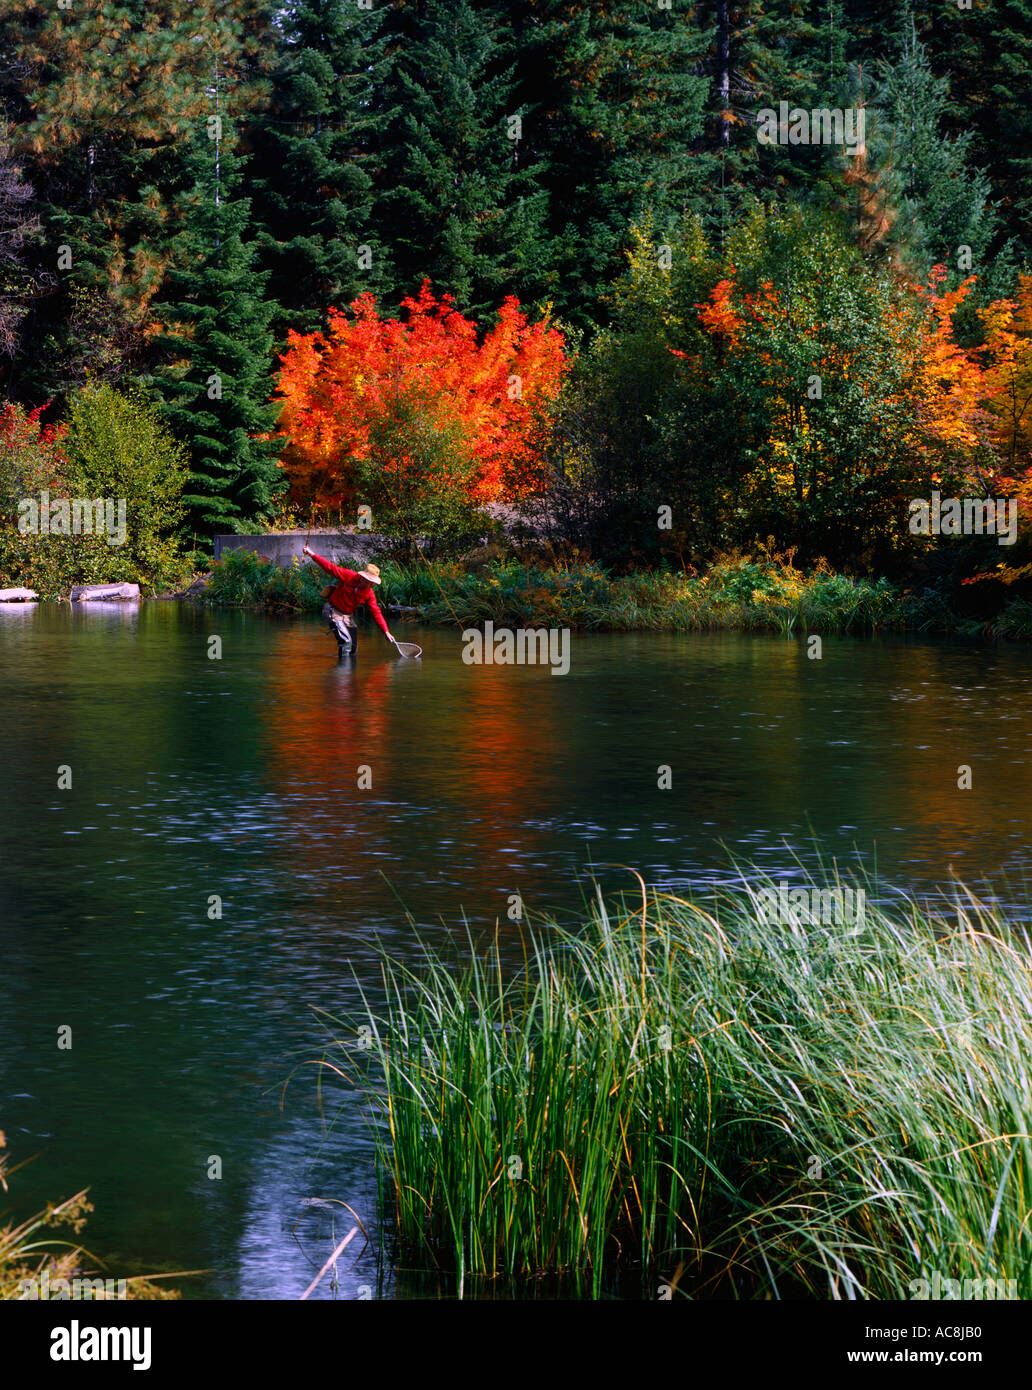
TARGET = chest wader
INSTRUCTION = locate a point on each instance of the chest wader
(342, 625)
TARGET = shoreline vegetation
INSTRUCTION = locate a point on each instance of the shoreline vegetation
(758, 593)
(37, 1250)
(710, 1097)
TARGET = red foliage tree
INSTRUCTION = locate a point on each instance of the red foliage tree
(334, 385)
(31, 453)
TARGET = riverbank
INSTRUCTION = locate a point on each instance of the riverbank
(40, 1259)
(752, 1096)
(736, 594)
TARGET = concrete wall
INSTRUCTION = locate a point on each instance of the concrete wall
(284, 546)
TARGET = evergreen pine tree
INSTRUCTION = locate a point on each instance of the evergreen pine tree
(312, 189)
(458, 201)
(100, 96)
(759, 53)
(215, 384)
(986, 53)
(940, 210)
(19, 228)
(614, 100)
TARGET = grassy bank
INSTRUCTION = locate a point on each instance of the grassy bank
(45, 1244)
(751, 595)
(694, 1095)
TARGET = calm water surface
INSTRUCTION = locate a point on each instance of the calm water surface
(238, 777)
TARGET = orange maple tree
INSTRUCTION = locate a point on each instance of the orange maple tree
(335, 385)
(949, 383)
(1007, 324)
(719, 317)
(1008, 333)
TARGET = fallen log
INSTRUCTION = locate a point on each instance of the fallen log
(18, 595)
(82, 592)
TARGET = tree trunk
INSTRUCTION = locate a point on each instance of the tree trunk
(724, 69)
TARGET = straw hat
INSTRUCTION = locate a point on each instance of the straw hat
(371, 572)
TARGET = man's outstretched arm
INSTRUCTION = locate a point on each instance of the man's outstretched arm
(378, 618)
(328, 566)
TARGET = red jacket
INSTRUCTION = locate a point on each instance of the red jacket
(351, 592)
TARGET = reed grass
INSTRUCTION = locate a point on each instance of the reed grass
(689, 1093)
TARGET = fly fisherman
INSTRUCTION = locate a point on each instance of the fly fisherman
(354, 587)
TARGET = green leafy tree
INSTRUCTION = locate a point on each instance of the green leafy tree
(824, 377)
(636, 433)
(116, 446)
(417, 476)
(111, 453)
(32, 460)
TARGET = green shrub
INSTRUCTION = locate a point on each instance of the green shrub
(243, 579)
(1015, 620)
(117, 446)
(111, 446)
(417, 477)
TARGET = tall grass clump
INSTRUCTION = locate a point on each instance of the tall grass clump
(686, 1092)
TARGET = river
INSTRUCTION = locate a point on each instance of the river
(238, 779)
